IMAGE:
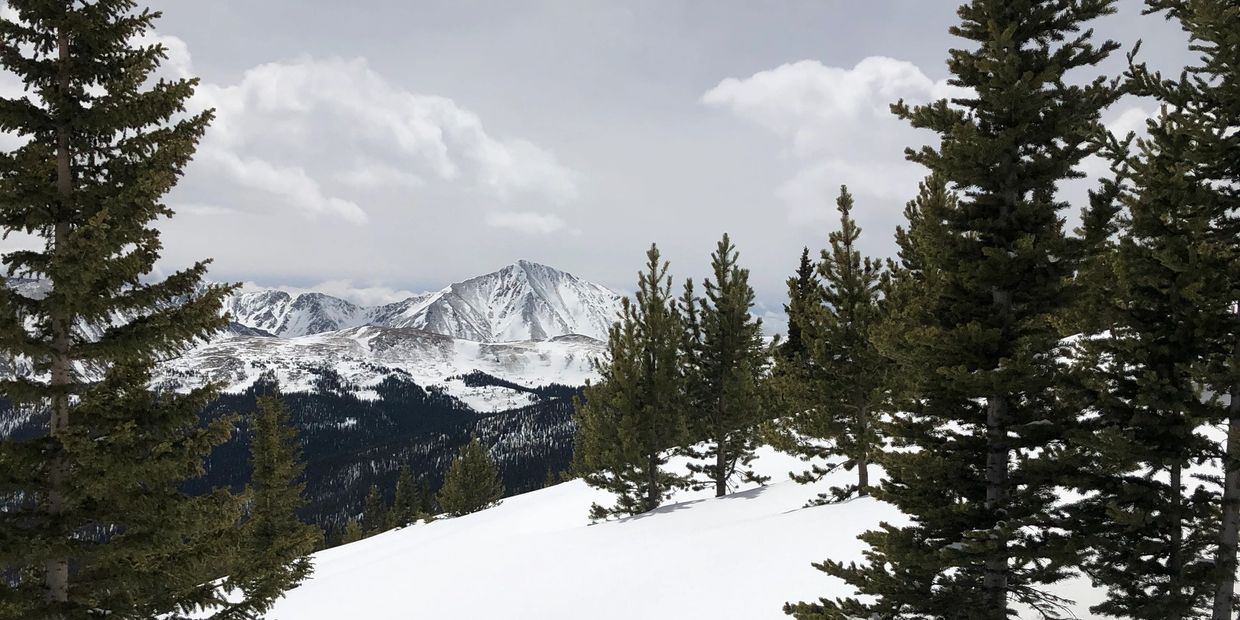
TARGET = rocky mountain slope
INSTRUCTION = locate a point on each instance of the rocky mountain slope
(522, 301)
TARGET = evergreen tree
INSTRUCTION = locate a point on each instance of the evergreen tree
(802, 295)
(725, 360)
(838, 386)
(374, 512)
(1150, 533)
(275, 544)
(405, 508)
(850, 379)
(1190, 177)
(94, 521)
(981, 356)
(472, 482)
(628, 422)
(352, 532)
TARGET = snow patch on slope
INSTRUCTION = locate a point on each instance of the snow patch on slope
(536, 557)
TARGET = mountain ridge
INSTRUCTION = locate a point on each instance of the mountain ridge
(524, 300)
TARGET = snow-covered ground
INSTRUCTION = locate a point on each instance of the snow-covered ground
(537, 557)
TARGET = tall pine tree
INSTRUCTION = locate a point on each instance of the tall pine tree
(628, 422)
(94, 521)
(1203, 163)
(982, 354)
(725, 361)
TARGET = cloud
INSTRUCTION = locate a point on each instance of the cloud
(321, 136)
(527, 222)
(838, 128)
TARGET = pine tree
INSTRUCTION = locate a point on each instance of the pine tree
(1188, 181)
(472, 482)
(725, 360)
(802, 295)
(352, 532)
(405, 508)
(628, 422)
(1149, 533)
(275, 544)
(851, 373)
(94, 519)
(374, 512)
(982, 356)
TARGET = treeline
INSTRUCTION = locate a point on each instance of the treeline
(1041, 404)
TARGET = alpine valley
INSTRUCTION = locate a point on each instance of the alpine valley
(372, 389)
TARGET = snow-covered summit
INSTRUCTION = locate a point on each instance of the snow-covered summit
(522, 301)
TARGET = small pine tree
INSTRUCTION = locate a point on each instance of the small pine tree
(353, 532)
(802, 295)
(628, 422)
(405, 509)
(275, 544)
(472, 482)
(725, 361)
(843, 386)
(374, 512)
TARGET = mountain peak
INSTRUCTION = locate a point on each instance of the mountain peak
(524, 300)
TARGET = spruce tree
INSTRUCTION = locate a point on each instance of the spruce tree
(851, 374)
(983, 428)
(1196, 188)
(275, 544)
(94, 521)
(725, 361)
(472, 482)
(352, 532)
(802, 294)
(628, 422)
(1150, 533)
(374, 512)
(405, 508)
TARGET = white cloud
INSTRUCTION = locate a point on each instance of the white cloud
(320, 136)
(378, 176)
(839, 129)
(526, 222)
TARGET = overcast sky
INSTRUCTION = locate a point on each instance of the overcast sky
(381, 146)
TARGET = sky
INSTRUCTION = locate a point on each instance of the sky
(381, 147)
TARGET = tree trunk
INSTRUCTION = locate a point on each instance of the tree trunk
(721, 469)
(1229, 531)
(863, 451)
(56, 577)
(1175, 557)
(653, 497)
(995, 580)
(996, 570)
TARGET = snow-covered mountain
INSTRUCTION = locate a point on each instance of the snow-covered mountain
(526, 323)
(522, 301)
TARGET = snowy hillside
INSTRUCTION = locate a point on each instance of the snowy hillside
(536, 557)
(365, 356)
(523, 301)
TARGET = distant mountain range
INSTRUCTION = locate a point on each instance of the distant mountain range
(522, 301)
(526, 323)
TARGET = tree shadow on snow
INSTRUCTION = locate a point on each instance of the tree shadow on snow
(670, 508)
